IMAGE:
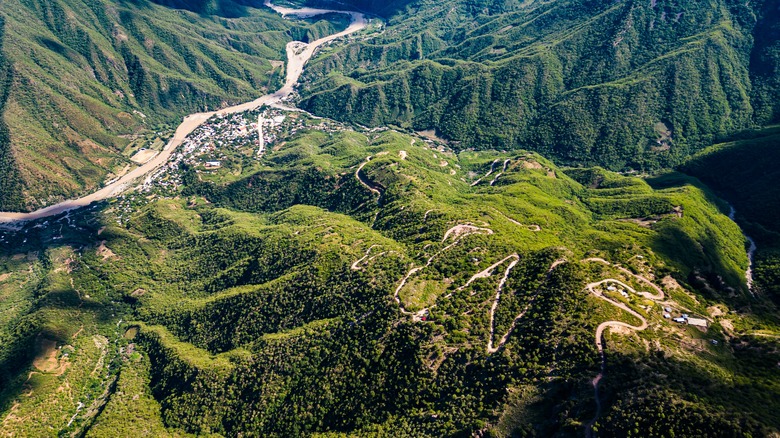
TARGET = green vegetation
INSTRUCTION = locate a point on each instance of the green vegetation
(371, 283)
(265, 304)
(765, 62)
(132, 410)
(744, 172)
(635, 84)
(10, 183)
(80, 79)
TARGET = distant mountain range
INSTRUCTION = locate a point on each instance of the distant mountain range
(639, 84)
(632, 84)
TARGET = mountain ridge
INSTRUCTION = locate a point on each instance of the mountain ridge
(621, 85)
(92, 81)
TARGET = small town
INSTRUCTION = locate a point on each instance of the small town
(242, 139)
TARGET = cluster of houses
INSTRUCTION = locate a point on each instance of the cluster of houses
(211, 144)
(213, 139)
(622, 292)
(216, 138)
(685, 318)
(265, 129)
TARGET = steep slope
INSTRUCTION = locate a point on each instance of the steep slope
(93, 81)
(358, 283)
(637, 84)
(10, 182)
(744, 172)
(765, 63)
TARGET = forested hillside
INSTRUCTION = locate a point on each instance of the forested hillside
(83, 79)
(370, 284)
(634, 84)
(765, 63)
(286, 274)
(744, 171)
(10, 183)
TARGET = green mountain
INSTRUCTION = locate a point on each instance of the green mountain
(332, 290)
(765, 63)
(634, 84)
(492, 275)
(743, 171)
(88, 82)
(10, 183)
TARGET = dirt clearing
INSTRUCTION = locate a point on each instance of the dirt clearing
(46, 357)
(458, 230)
(143, 156)
(105, 252)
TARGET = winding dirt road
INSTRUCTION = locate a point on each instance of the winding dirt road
(591, 287)
(485, 273)
(298, 54)
(494, 348)
(417, 316)
(490, 347)
(531, 227)
(492, 168)
(365, 183)
(659, 293)
(506, 163)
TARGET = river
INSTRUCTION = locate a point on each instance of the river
(298, 53)
(750, 253)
